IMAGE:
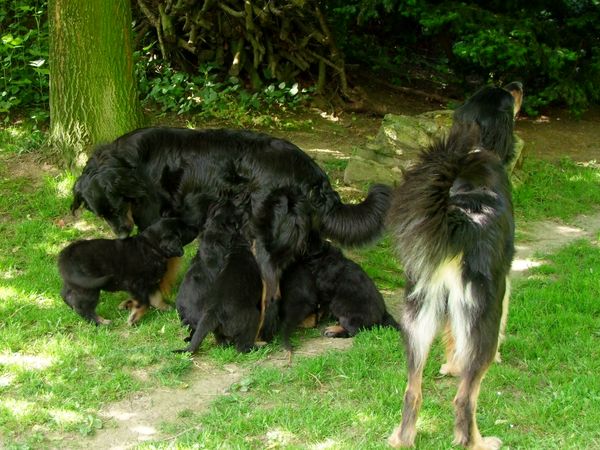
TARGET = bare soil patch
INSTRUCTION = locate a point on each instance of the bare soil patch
(137, 418)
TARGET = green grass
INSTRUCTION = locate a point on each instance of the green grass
(544, 395)
(57, 371)
(556, 190)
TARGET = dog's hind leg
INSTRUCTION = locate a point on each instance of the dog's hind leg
(450, 367)
(503, 320)
(84, 302)
(207, 323)
(156, 300)
(170, 276)
(475, 320)
(420, 322)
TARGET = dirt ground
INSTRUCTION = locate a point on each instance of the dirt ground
(137, 418)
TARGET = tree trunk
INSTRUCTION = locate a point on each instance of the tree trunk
(93, 94)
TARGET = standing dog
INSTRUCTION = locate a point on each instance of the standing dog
(135, 264)
(452, 219)
(222, 291)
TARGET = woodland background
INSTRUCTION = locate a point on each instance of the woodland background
(195, 56)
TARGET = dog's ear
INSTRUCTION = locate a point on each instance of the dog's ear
(516, 90)
(125, 183)
(77, 199)
(170, 241)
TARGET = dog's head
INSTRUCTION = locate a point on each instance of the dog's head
(493, 109)
(112, 190)
(170, 235)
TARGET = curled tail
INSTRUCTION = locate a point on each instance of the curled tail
(361, 223)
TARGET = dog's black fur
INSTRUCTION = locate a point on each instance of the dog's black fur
(299, 300)
(325, 280)
(283, 222)
(493, 109)
(135, 264)
(346, 292)
(452, 219)
(222, 290)
(150, 172)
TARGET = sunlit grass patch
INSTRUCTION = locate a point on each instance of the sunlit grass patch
(558, 190)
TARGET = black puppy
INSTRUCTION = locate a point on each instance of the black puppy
(135, 264)
(283, 222)
(299, 301)
(222, 290)
(342, 289)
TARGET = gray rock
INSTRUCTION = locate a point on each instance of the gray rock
(398, 142)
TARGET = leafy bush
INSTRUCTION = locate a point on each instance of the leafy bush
(552, 47)
(206, 95)
(24, 55)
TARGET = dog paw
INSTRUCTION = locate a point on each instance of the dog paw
(136, 314)
(128, 304)
(102, 321)
(487, 443)
(335, 331)
(498, 358)
(399, 440)
(450, 370)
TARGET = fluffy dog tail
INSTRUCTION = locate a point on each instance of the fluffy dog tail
(361, 223)
(455, 199)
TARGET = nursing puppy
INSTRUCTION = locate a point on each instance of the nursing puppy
(299, 301)
(136, 264)
(222, 290)
(345, 292)
(326, 283)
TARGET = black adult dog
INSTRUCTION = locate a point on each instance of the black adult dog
(222, 291)
(135, 264)
(326, 282)
(452, 219)
(149, 172)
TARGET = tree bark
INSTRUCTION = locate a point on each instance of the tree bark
(93, 93)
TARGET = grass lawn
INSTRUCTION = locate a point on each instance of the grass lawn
(56, 371)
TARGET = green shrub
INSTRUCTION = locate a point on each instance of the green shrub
(208, 96)
(552, 47)
(23, 55)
